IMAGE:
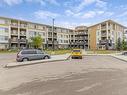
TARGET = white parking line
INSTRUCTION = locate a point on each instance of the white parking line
(88, 87)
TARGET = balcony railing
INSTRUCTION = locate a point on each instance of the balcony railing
(22, 33)
(14, 24)
(103, 34)
(23, 25)
(23, 40)
(51, 42)
(50, 36)
(103, 41)
(13, 33)
(14, 40)
(103, 27)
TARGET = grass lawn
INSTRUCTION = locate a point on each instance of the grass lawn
(102, 52)
(64, 51)
(56, 52)
(6, 51)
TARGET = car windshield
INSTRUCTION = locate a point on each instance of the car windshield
(76, 50)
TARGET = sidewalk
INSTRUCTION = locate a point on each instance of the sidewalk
(120, 57)
(53, 58)
(115, 55)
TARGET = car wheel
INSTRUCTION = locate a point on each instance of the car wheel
(46, 57)
(25, 59)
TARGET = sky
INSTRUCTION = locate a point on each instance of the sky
(67, 13)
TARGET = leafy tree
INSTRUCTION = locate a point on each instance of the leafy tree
(118, 44)
(37, 41)
(124, 45)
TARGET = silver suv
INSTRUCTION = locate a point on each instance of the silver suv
(31, 54)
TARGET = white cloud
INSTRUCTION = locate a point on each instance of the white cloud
(108, 14)
(45, 14)
(36, 1)
(79, 12)
(52, 2)
(123, 14)
(89, 14)
(101, 4)
(86, 15)
(83, 3)
(15, 2)
(11, 2)
(71, 25)
(100, 12)
(69, 12)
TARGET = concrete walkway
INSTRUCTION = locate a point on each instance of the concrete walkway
(53, 58)
(121, 57)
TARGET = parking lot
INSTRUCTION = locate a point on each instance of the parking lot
(93, 75)
(7, 58)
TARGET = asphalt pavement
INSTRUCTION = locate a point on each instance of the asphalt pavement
(93, 75)
(7, 58)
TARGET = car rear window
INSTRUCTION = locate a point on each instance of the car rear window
(76, 50)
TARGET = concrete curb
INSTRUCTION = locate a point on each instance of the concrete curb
(112, 55)
(119, 58)
(19, 64)
(98, 54)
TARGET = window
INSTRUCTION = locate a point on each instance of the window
(39, 52)
(32, 52)
(6, 38)
(43, 40)
(98, 33)
(31, 33)
(24, 52)
(43, 34)
(3, 30)
(3, 21)
(98, 39)
(112, 32)
(3, 38)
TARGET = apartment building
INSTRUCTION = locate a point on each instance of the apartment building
(125, 34)
(81, 37)
(105, 34)
(16, 33)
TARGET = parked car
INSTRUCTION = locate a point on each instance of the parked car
(31, 54)
(124, 53)
(76, 53)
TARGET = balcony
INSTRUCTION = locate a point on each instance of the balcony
(23, 40)
(14, 33)
(50, 42)
(103, 41)
(104, 34)
(49, 36)
(79, 42)
(23, 25)
(103, 27)
(86, 38)
(14, 40)
(22, 33)
(55, 36)
(14, 24)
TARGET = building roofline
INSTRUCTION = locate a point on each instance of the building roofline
(33, 22)
(108, 21)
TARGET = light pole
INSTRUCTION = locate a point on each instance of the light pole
(53, 20)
